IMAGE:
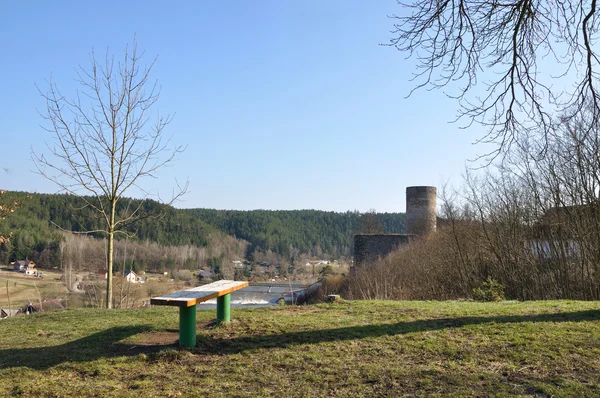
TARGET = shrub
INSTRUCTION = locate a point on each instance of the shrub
(183, 275)
(332, 284)
(490, 290)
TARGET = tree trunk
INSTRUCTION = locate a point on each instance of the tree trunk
(109, 256)
(109, 268)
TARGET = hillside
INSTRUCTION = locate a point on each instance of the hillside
(42, 213)
(168, 238)
(273, 236)
(289, 233)
(353, 348)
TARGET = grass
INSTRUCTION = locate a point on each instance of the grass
(27, 288)
(352, 348)
(22, 288)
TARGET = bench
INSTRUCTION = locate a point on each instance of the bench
(186, 300)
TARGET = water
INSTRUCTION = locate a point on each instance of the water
(249, 301)
(251, 297)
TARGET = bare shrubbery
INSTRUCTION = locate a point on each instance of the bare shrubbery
(331, 284)
(530, 224)
(85, 253)
(529, 259)
(422, 270)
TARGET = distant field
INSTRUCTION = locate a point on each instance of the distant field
(24, 288)
(355, 348)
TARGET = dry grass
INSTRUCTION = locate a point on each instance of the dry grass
(24, 288)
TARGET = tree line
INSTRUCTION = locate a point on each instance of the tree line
(290, 233)
(37, 228)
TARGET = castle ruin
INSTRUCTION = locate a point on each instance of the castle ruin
(421, 220)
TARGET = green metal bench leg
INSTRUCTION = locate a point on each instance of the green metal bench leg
(187, 326)
(223, 309)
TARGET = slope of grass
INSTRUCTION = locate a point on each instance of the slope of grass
(345, 349)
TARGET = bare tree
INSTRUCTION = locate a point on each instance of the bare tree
(106, 141)
(532, 225)
(369, 224)
(502, 45)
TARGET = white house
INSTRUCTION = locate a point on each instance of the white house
(131, 276)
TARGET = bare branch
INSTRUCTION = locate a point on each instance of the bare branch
(104, 140)
(489, 51)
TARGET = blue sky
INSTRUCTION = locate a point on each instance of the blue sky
(281, 104)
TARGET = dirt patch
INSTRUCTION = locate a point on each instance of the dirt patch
(149, 343)
(206, 324)
(158, 338)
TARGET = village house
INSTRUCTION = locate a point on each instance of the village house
(206, 274)
(318, 262)
(26, 266)
(555, 232)
(131, 276)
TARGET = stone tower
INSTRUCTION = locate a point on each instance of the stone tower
(421, 216)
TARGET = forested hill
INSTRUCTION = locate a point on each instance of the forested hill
(284, 234)
(292, 232)
(36, 221)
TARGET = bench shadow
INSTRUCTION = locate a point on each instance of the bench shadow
(107, 343)
(104, 344)
(236, 345)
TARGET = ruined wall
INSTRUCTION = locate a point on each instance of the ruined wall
(369, 248)
(421, 219)
(421, 214)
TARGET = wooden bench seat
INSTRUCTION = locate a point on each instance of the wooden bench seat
(186, 300)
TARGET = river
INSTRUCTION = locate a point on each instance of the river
(257, 296)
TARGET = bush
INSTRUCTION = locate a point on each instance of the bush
(326, 271)
(332, 284)
(490, 290)
(183, 275)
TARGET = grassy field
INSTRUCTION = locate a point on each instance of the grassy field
(352, 348)
(27, 288)
(24, 288)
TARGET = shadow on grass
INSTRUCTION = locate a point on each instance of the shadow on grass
(104, 344)
(207, 344)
